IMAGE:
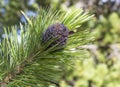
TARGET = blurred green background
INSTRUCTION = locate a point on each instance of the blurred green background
(102, 69)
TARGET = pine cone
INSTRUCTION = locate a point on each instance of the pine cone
(58, 31)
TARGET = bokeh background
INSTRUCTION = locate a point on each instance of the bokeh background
(102, 69)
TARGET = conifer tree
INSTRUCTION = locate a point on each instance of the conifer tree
(47, 46)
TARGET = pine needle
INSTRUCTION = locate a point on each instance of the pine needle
(26, 63)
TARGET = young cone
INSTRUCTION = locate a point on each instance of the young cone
(58, 31)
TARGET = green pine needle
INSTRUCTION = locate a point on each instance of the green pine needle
(26, 63)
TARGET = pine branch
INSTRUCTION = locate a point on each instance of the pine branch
(29, 62)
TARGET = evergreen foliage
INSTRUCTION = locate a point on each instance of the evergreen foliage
(27, 62)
